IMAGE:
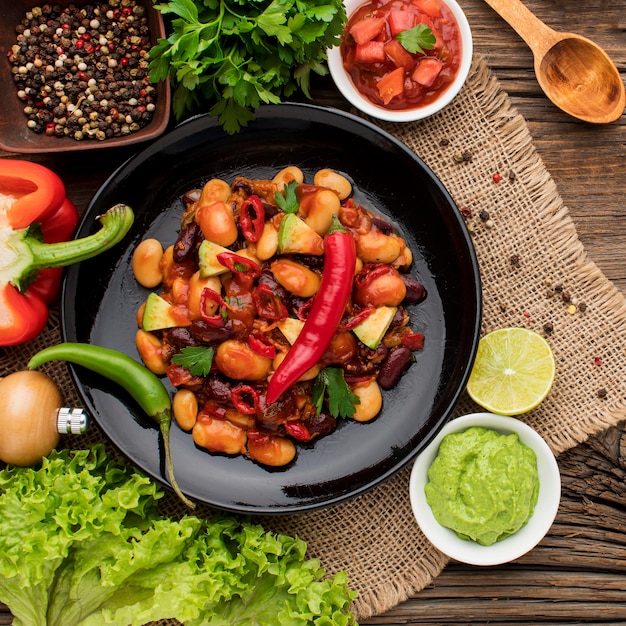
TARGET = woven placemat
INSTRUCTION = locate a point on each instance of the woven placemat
(535, 273)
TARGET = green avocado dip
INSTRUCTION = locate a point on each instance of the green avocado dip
(483, 485)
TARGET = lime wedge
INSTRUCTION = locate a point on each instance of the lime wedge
(513, 371)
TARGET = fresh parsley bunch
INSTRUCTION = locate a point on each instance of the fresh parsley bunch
(234, 55)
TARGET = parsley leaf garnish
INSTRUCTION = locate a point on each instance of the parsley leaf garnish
(341, 401)
(417, 39)
(197, 360)
(288, 200)
(228, 57)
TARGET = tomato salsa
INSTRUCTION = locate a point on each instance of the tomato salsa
(384, 70)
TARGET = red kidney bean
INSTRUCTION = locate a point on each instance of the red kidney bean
(320, 425)
(217, 389)
(395, 363)
(210, 335)
(415, 291)
(243, 185)
(186, 242)
(180, 337)
(272, 416)
(384, 227)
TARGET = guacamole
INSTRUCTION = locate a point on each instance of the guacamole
(483, 485)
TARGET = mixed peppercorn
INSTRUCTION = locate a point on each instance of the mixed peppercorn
(82, 72)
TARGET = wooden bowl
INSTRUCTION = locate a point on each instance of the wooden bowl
(15, 136)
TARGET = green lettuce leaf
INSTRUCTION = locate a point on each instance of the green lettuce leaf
(82, 543)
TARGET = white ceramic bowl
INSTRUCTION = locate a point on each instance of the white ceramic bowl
(349, 91)
(516, 544)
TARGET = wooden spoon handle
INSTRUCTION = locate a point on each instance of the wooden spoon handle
(539, 37)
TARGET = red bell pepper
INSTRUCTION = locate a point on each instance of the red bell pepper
(36, 221)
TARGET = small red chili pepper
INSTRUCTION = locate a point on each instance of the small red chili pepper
(239, 265)
(258, 343)
(413, 341)
(358, 318)
(326, 312)
(370, 273)
(268, 305)
(37, 221)
(298, 431)
(245, 399)
(207, 294)
(252, 218)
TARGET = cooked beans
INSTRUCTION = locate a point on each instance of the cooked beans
(217, 435)
(376, 247)
(185, 408)
(272, 451)
(150, 350)
(335, 181)
(267, 245)
(146, 263)
(286, 175)
(295, 277)
(371, 401)
(319, 209)
(394, 365)
(217, 223)
(388, 289)
(238, 361)
(236, 312)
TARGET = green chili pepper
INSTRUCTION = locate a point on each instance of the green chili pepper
(142, 384)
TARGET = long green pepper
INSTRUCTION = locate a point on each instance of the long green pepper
(142, 384)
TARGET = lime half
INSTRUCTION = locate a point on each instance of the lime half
(513, 371)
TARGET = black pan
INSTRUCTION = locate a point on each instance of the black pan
(101, 297)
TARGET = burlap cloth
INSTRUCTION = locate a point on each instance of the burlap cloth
(535, 273)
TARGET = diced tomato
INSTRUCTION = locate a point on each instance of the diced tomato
(391, 85)
(400, 21)
(430, 7)
(367, 29)
(427, 71)
(370, 52)
(398, 54)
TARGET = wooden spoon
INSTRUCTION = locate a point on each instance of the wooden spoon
(574, 72)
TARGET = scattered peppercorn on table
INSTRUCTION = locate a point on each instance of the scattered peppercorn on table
(576, 573)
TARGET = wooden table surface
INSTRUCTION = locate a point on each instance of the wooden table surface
(577, 574)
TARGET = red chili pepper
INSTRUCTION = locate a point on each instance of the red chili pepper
(207, 294)
(358, 318)
(326, 312)
(245, 399)
(239, 265)
(268, 304)
(36, 221)
(259, 344)
(252, 218)
(370, 273)
(298, 431)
